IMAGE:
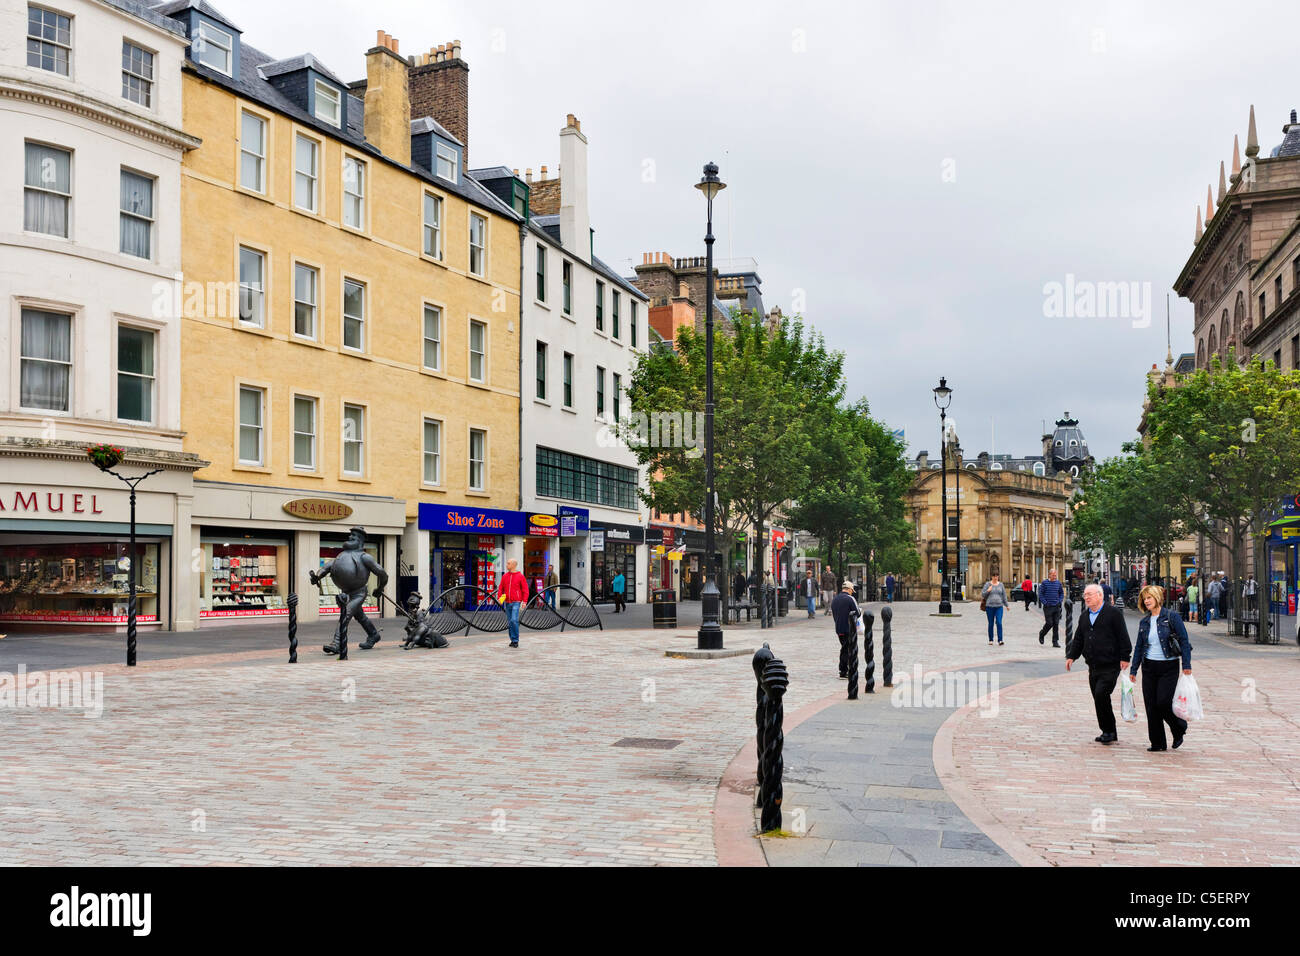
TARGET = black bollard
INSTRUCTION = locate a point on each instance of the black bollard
(852, 662)
(761, 657)
(886, 647)
(343, 627)
(869, 652)
(293, 628)
(775, 681)
(1069, 623)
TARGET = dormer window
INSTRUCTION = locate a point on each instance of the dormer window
(213, 47)
(446, 163)
(328, 104)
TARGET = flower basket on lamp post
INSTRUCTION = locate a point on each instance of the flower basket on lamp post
(105, 456)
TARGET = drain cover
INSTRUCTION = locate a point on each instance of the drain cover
(647, 743)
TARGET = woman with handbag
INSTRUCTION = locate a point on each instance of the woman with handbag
(993, 599)
(1161, 655)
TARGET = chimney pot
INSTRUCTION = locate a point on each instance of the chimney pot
(455, 50)
(528, 173)
(394, 46)
(1293, 116)
(569, 122)
(543, 172)
(379, 38)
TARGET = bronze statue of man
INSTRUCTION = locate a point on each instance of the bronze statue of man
(350, 571)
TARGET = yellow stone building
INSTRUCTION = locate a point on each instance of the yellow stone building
(350, 300)
(1010, 514)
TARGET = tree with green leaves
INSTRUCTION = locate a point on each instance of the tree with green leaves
(857, 492)
(1227, 439)
(776, 394)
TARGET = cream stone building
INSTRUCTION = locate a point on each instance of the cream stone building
(91, 145)
(1010, 514)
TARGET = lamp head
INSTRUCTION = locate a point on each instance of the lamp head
(710, 184)
(942, 394)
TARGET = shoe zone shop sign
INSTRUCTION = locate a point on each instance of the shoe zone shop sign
(488, 521)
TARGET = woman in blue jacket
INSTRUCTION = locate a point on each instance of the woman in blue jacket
(1162, 657)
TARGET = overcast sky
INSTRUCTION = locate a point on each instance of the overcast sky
(920, 170)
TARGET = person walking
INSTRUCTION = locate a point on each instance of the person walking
(808, 591)
(1212, 598)
(738, 585)
(619, 586)
(1249, 593)
(1162, 657)
(1027, 591)
(828, 589)
(994, 599)
(1102, 640)
(890, 583)
(844, 614)
(513, 591)
(1225, 597)
(1193, 599)
(552, 585)
(1051, 595)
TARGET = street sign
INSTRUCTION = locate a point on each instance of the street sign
(962, 560)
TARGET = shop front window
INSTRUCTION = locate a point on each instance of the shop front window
(244, 578)
(76, 582)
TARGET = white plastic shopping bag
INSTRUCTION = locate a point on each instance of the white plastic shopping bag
(1187, 698)
(862, 628)
(1127, 707)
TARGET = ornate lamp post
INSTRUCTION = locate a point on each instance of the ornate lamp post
(710, 633)
(942, 398)
(105, 458)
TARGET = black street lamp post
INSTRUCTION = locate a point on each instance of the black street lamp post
(710, 633)
(105, 457)
(942, 397)
(958, 584)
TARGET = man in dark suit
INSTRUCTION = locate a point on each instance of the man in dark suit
(1102, 639)
(845, 613)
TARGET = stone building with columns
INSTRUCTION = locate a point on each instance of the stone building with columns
(1010, 514)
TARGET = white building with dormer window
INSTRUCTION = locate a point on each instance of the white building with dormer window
(90, 162)
(583, 327)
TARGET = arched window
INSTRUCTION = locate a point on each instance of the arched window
(1039, 469)
(1200, 354)
(1223, 334)
(1214, 343)
(1241, 253)
(1238, 313)
(1214, 291)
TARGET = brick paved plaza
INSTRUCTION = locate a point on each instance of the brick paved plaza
(481, 754)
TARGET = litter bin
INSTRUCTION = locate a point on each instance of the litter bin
(664, 607)
(782, 602)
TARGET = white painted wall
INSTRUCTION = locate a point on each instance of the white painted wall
(85, 274)
(577, 430)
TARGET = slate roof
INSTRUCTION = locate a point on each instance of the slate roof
(251, 85)
(427, 124)
(169, 7)
(146, 12)
(295, 63)
(1290, 146)
(548, 227)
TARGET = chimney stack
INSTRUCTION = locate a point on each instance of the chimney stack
(575, 216)
(388, 100)
(439, 84)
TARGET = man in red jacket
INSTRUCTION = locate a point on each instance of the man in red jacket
(512, 593)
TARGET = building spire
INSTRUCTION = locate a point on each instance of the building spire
(1252, 138)
(1200, 229)
(1236, 160)
(1223, 184)
(1209, 205)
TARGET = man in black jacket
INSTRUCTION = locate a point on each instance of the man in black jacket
(845, 613)
(1102, 639)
